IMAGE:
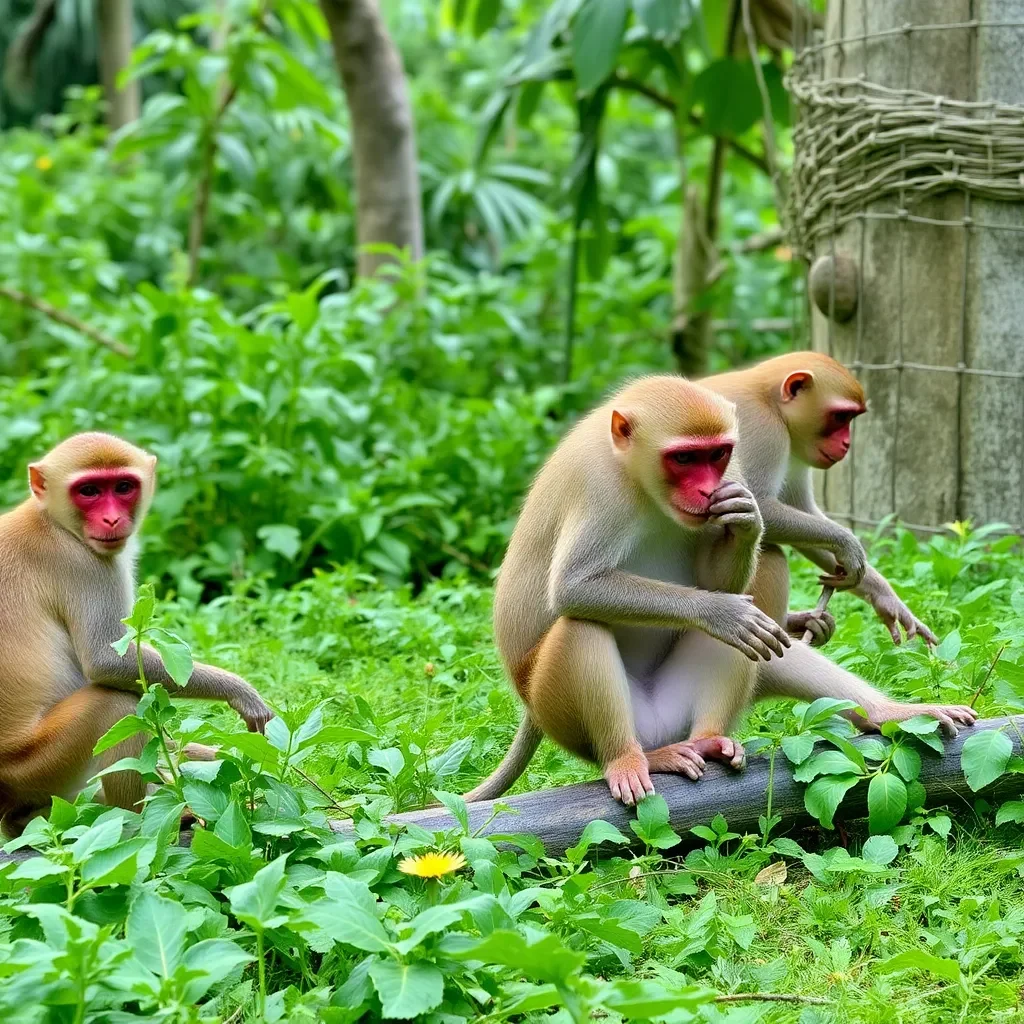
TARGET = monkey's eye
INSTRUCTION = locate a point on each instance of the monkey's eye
(89, 491)
(683, 458)
(717, 454)
(125, 486)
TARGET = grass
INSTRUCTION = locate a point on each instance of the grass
(424, 670)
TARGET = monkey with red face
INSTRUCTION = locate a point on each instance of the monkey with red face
(66, 581)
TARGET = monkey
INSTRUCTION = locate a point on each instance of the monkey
(67, 568)
(583, 603)
(619, 609)
(795, 413)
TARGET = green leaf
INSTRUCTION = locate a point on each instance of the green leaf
(596, 832)
(281, 540)
(212, 960)
(129, 726)
(941, 824)
(887, 800)
(119, 864)
(950, 647)
(207, 801)
(727, 91)
(142, 611)
(101, 836)
(652, 825)
(649, 998)
(485, 16)
(919, 960)
(437, 919)
(823, 796)
(984, 757)
(823, 709)
(663, 19)
(920, 725)
(799, 748)
(456, 807)
(880, 850)
(1011, 811)
(36, 868)
(542, 956)
(406, 990)
(174, 653)
(233, 827)
(597, 33)
(827, 762)
(155, 930)
(907, 761)
(236, 155)
(254, 903)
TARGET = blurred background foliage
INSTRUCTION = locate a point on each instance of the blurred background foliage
(303, 417)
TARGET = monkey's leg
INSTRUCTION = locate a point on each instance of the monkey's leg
(56, 758)
(685, 710)
(579, 695)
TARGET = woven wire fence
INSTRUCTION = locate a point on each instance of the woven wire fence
(875, 162)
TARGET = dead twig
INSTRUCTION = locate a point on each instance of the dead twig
(771, 997)
(61, 317)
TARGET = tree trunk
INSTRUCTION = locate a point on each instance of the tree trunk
(689, 280)
(116, 28)
(383, 135)
(940, 301)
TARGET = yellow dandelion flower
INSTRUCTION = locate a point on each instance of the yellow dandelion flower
(43, 163)
(432, 865)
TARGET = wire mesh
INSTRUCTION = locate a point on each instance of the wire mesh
(898, 178)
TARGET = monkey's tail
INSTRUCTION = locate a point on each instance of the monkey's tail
(513, 764)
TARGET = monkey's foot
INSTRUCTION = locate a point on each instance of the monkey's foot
(950, 716)
(629, 778)
(690, 758)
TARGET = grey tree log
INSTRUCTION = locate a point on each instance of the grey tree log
(559, 816)
(938, 444)
(116, 29)
(383, 133)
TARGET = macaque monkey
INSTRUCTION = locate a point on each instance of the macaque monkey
(66, 580)
(616, 653)
(620, 611)
(794, 415)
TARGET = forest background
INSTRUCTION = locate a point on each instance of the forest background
(342, 457)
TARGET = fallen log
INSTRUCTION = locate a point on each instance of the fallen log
(558, 816)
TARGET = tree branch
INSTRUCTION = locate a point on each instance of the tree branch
(58, 315)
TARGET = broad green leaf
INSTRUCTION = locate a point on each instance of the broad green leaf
(597, 32)
(650, 998)
(281, 540)
(949, 649)
(213, 960)
(652, 825)
(824, 708)
(174, 653)
(436, 919)
(390, 759)
(101, 836)
(542, 956)
(984, 757)
(127, 727)
(349, 925)
(456, 807)
(118, 865)
(919, 960)
(232, 827)
(880, 850)
(663, 19)
(156, 929)
(727, 91)
(596, 832)
(823, 796)
(907, 761)
(254, 903)
(826, 762)
(207, 801)
(799, 748)
(485, 16)
(887, 800)
(1011, 811)
(941, 823)
(920, 725)
(449, 761)
(36, 868)
(406, 990)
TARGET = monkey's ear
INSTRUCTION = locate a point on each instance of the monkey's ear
(36, 480)
(796, 382)
(622, 429)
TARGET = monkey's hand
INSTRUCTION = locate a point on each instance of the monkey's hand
(250, 707)
(737, 621)
(852, 559)
(878, 592)
(821, 625)
(733, 505)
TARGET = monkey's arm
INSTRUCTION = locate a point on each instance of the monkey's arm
(96, 624)
(584, 585)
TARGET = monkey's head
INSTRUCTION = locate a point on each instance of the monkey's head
(819, 399)
(675, 439)
(97, 487)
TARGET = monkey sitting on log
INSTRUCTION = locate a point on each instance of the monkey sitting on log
(67, 570)
(794, 414)
(620, 611)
